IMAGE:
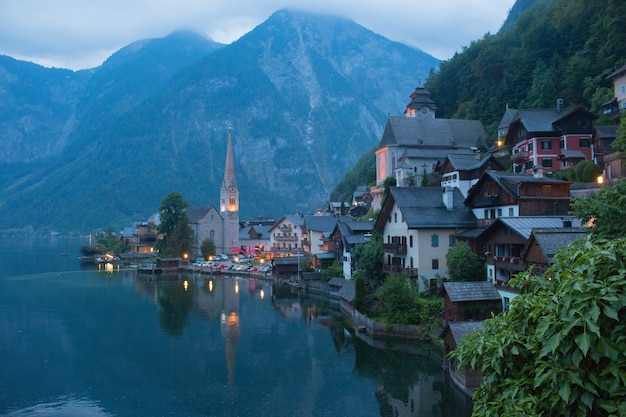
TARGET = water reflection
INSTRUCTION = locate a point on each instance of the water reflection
(195, 345)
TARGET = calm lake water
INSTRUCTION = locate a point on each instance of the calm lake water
(78, 341)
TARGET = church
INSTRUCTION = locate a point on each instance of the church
(220, 226)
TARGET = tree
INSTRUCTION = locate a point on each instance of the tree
(402, 302)
(207, 248)
(559, 351)
(463, 264)
(177, 235)
(620, 140)
(335, 269)
(368, 258)
(606, 210)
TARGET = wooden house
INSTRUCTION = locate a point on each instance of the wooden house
(543, 245)
(505, 194)
(466, 378)
(470, 301)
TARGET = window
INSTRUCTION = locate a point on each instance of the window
(546, 144)
(435, 264)
(510, 211)
(395, 217)
(530, 146)
(622, 88)
(583, 142)
(434, 240)
(562, 144)
(451, 240)
(528, 165)
(411, 241)
(499, 212)
(546, 163)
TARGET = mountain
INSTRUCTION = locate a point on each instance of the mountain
(545, 50)
(306, 95)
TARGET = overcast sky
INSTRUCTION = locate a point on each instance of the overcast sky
(80, 34)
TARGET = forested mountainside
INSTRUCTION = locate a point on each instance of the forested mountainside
(546, 50)
(305, 95)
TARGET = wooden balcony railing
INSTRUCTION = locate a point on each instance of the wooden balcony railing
(395, 248)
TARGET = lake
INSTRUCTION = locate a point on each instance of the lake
(82, 341)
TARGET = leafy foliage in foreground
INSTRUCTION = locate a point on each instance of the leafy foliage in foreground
(606, 209)
(560, 350)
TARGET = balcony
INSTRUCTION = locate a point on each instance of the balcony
(399, 269)
(511, 263)
(519, 156)
(395, 248)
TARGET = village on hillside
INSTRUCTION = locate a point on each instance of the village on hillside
(506, 202)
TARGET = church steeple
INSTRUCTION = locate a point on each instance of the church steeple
(229, 200)
(229, 193)
(421, 103)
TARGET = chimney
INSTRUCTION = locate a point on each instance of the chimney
(448, 199)
(559, 105)
(567, 222)
(538, 172)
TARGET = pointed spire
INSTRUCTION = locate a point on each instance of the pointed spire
(229, 169)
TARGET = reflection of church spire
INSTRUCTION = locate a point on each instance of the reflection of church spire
(230, 329)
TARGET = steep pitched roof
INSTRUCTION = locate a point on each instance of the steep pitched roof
(423, 207)
(295, 219)
(524, 225)
(468, 162)
(354, 233)
(553, 239)
(510, 182)
(432, 132)
(324, 224)
(347, 292)
(471, 291)
(462, 328)
(197, 213)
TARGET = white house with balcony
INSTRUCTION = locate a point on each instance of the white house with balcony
(419, 225)
(287, 235)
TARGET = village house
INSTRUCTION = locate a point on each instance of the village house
(505, 194)
(470, 301)
(464, 170)
(611, 160)
(551, 139)
(544, 244)
(415, 144)
(419, 226)
(316, 230)
(141, 237)
(465, 377)
(346, 235)
(503, 243)
(255, 239)
(287, 235)
(617, 104)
